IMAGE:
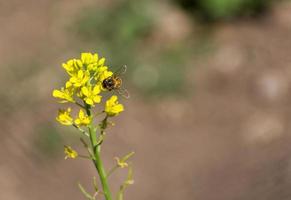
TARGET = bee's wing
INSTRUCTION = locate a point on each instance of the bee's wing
(120, 70)
(123, 92)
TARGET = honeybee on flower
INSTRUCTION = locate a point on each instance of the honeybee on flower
(114, 82)
(88, 78)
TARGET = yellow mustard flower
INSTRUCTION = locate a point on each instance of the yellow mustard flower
(80, 79)
(64, 117)
(89, 58)
(83, 119)
(92, 61)
(73, 66)
(70, 153)
(91, 94)
(66, 95)
(112, 107)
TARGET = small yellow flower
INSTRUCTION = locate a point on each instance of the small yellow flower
(91, 94)
(73, 66)
(112, 107)
(82, 120)
(92, 61)
(66, 95)
(80, 79)
(70, 153)
(64, 117)
(89, 58)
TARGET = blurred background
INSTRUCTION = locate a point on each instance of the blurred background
(210, 107)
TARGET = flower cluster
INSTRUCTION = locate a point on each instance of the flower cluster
(88, 79)
(84, 88)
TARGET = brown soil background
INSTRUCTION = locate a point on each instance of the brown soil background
(229, 140)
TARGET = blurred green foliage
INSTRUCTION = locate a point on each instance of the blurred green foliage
(123, 33)
(115, 30)
(213, 10)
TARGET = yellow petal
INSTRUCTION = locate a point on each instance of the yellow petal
(101, 61)
(95, 58)
(85, 57)
(119, 108)
(73, 79)
(68, 84)
(79, 63)
(85, 91)
(96, 90)
(89, 101)
(113, 98)
(58, 94)
(97, 99)
(80, 74)
(81, 114)
(77, 121)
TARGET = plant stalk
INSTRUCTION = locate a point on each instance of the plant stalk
(97, 161)
(102, 174)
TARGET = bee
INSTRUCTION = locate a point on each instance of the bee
(114, 82)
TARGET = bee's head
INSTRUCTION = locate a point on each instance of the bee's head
(108, 83)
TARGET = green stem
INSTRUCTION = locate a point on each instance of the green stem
(102, 174)
(97, 161)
